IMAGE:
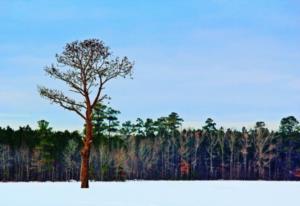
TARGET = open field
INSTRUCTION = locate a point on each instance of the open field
(151, 193)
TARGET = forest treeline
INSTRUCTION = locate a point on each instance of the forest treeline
(152, 149)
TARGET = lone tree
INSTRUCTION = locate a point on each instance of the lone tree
(85, 66)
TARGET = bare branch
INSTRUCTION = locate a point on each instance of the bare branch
(69, 77)
(99, 92)
(115, 68)
(58, 97)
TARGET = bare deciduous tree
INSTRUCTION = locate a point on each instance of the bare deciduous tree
(264, 149)
(85, 66)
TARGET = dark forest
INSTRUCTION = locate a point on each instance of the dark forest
(152, 150)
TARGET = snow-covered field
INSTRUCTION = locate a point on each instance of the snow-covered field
(151, 193)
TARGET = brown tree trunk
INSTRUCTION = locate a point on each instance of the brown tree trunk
(85, 154)
(84, 171)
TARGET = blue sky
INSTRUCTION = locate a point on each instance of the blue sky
(235, 61)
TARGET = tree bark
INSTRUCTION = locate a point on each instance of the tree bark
(85, 154)
(84, 171)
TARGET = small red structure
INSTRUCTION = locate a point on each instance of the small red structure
(184, 168)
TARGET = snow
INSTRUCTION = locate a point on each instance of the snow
(151, 193)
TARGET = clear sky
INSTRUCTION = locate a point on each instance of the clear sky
(236, 61)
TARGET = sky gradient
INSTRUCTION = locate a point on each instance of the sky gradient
(235, 61)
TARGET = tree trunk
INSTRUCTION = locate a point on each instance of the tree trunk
(84, 171)
(85, 153)
(231, 165)
(211, 162)
(222, 166)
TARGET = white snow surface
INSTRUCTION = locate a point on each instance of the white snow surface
(151, 193)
